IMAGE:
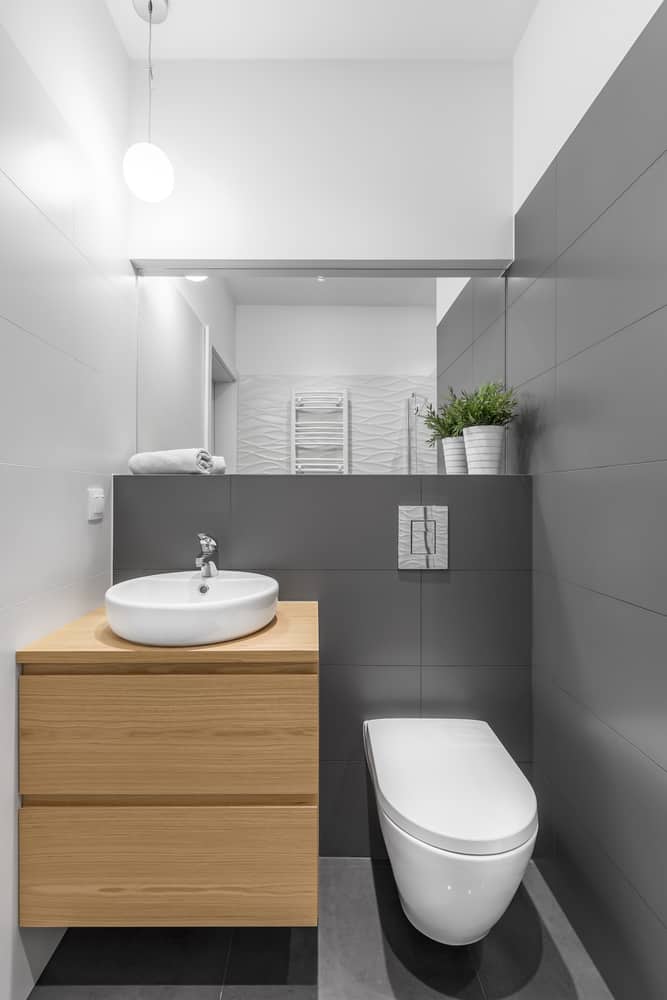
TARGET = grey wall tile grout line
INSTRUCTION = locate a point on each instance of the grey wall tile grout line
(599, 593)
(612, 861)
(603, 722)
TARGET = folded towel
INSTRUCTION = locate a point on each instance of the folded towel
(218, 465)
(179, 460)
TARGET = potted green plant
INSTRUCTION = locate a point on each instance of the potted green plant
(484, 414)
(445, 425)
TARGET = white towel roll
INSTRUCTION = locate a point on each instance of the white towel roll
(174, 462)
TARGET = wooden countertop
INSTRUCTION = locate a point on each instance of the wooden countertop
(291, 639)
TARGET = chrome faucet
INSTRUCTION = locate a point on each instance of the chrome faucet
(205, 561)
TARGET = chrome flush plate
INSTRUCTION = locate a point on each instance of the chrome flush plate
(423, 537)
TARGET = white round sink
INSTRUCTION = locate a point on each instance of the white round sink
(184, 609)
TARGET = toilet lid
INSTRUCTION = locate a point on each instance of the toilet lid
(450, 783)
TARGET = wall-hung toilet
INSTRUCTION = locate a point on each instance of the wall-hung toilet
(459, 821)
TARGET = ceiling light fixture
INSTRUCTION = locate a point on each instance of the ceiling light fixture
(196, 277)
(147, 169)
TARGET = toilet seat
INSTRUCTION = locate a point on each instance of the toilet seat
(451, 784)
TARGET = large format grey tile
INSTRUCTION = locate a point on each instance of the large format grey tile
(608, 655)
(157, 519)
(497, 695)
(454, 333)
(366, 617)
(369, 950)
(616, 272)
(349, 695)
(488, 354)
(269, 992)
(489, 519)
(534, 234)
(275, 957)
(532, 437)
(625, 939)
(598, 528)
(476, 618)
(458, 375)
(488, 303)
(518, 959)
(603, 417)
(125, 993)
(317, 522)
(619, 795)
(531, 331)
(349, 824)
(149, 956)
(622, 132)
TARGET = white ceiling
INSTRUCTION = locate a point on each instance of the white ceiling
(329, 29)
(248, 290)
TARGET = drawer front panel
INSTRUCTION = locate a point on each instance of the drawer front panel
(168, 866)
(169, 734)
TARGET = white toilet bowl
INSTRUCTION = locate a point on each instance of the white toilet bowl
(459, 821)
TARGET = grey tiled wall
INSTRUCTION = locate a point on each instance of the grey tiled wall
(587, 344)
(454, 643)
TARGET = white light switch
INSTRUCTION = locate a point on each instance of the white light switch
(95, 503)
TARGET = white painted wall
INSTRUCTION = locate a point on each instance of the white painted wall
(568, 52)
(314, 340)
(215, 307)
(67, 357)
(329, 160)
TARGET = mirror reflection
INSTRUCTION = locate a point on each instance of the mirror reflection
(301, 375)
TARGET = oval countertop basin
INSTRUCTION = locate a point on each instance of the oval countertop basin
(169, 609)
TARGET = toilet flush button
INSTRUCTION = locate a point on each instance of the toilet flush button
(423, 537)
(96, 503)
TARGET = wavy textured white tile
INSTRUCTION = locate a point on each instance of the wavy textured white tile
(378, 421)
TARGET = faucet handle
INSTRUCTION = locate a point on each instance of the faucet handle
(207, 543)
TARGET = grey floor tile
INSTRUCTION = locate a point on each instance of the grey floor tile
(276, 957)
(270, 993)
(126, 993)
(369, 951)
(518, 960)
(155, 956)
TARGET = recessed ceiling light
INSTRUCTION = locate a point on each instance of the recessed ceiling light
(196, 277)
(321, 277)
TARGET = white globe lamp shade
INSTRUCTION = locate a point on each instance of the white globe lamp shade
(148, 172)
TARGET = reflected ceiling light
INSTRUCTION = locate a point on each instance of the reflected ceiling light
(196, 277)
(147, 168)
(321, 277)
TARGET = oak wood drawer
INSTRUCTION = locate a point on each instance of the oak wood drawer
(168, 866)
(169, 734)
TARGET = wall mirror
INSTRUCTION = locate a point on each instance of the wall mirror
(305, 374)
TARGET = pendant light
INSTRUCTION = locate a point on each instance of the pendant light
(147, 169)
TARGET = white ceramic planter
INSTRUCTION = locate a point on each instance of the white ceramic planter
(485, 450)
(454, 451)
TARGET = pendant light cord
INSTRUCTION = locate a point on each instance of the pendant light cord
(150, 69)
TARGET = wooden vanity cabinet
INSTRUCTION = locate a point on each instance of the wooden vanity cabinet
(167, 786)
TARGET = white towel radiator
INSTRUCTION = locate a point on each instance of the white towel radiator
(319, 432)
